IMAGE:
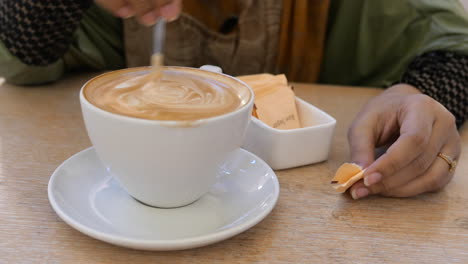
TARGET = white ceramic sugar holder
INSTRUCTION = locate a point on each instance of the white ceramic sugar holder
(283, 149)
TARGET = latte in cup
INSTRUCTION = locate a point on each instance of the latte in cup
(177, 95)
(165, 139)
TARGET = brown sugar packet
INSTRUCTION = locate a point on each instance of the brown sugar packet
(275, 102)
(346, 175)
(264, 83)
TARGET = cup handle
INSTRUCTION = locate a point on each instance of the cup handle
(211, 68)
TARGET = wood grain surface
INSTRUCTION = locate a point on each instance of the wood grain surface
(40, 127)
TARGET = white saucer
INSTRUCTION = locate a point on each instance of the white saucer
(86, 197)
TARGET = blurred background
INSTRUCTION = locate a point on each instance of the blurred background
(465, 3)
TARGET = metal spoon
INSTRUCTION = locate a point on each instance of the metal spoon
(159, 37)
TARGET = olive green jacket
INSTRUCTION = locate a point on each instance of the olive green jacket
(369, 42)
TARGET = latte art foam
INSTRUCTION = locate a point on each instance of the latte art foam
(174, 96)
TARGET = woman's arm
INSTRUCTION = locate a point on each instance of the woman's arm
(443, 75)
(41, 40)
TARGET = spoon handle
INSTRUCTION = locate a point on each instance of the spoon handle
(159, 36)
(157, 59)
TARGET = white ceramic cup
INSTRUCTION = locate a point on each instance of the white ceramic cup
(167, 163)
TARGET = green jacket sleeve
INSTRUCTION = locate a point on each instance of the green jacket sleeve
(97, 45)
(16, 72)
(371, 42)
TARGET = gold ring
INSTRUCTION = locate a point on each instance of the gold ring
(450, 161)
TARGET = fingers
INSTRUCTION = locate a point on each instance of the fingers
(146, 11)
(359, 190)
(361, 138)
(415, 133)
(119, 8)
(172, 10)
(432, 179)
(435, 178)
(415, 168)
(149, 11)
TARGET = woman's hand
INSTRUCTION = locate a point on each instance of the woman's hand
(146, 11)
(416, 128)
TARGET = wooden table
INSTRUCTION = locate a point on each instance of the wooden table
(40, 127)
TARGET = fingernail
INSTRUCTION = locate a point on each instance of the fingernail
(372, 179)
(171, 19)
(125, 12)
(359, 193)
(149, 19)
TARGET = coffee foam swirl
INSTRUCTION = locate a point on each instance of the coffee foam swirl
(174, 96)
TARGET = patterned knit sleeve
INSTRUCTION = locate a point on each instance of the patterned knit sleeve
(442, 75)
(40, 32)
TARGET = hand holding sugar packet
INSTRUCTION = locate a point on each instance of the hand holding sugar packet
(275, 102)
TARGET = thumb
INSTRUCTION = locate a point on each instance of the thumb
(362, 140)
